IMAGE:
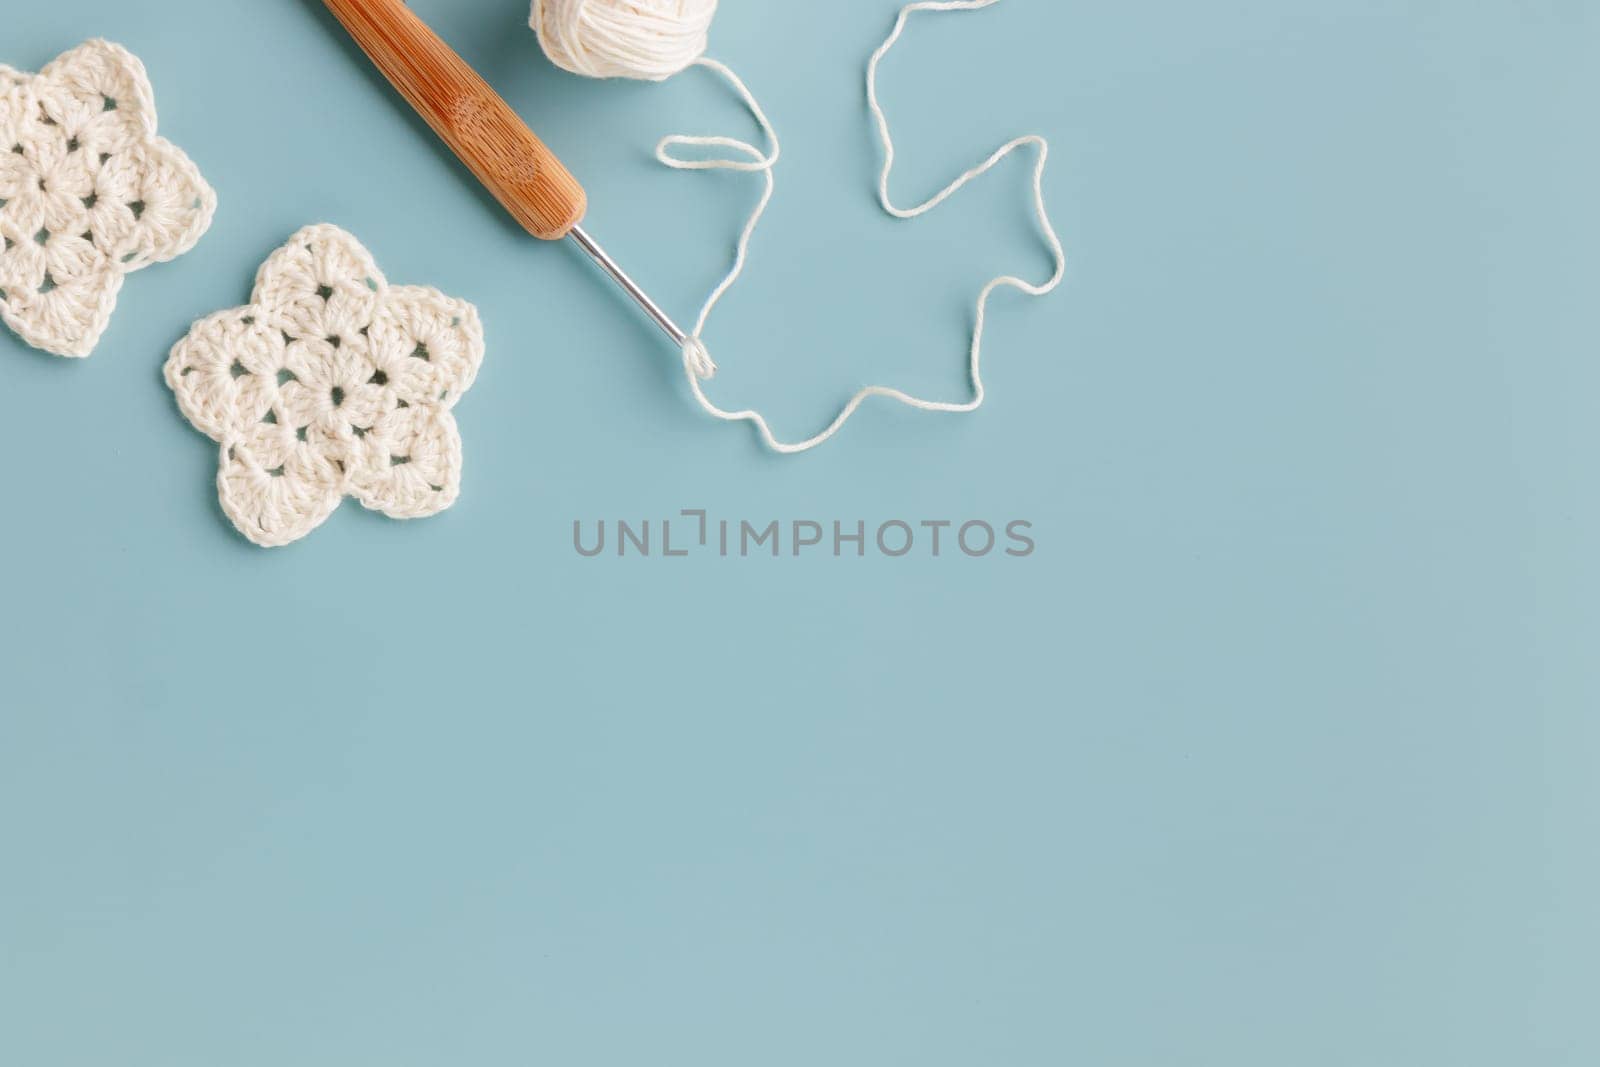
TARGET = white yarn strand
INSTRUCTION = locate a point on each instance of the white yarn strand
(697, 361)
(655, 39)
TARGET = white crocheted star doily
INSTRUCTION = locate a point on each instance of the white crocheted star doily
(88, 193)
(330, 383)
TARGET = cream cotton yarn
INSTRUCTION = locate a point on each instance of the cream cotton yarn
(88, 194)
(647, 39)
(331, 382)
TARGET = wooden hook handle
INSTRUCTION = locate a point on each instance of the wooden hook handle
(479, 126)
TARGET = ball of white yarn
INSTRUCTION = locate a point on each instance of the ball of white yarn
(647, 39)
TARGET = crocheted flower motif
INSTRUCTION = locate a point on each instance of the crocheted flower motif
(331, 382)
(88, 193)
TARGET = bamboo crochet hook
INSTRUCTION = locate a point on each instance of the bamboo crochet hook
(480, 127)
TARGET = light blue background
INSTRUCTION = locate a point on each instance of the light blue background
(1280, 750)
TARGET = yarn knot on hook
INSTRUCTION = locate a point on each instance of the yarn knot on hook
(697, 360)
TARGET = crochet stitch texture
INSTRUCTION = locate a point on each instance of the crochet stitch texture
(331, 382)
(88, 194)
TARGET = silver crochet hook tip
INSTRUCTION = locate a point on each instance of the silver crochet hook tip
(593, 250)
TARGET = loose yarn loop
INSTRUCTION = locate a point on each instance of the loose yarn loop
(697, 360)
(653, 39)
(646, 39)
